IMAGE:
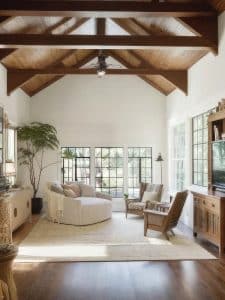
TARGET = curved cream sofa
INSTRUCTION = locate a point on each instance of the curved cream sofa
(78, 211)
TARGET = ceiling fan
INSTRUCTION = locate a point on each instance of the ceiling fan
(101, 66)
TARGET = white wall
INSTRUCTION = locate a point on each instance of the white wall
(17, 107)
(109, 111)
(206, 89)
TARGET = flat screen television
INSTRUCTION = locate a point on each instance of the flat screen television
(218, 164)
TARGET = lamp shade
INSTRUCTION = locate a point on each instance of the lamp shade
(159, 157)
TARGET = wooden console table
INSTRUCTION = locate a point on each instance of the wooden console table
(209, 217)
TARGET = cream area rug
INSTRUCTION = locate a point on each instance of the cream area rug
(118, 239)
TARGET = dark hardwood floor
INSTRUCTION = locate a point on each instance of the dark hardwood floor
(181, 280)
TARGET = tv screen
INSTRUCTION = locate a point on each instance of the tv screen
(218, 152)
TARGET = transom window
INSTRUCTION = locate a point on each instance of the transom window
(200, 149)
(109, 170)
(139, 168)
(76, 164)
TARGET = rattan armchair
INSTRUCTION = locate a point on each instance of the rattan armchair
(136, 206)
(165, 222)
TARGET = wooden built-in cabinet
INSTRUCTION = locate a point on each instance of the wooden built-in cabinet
(209, 217)
(209, 205)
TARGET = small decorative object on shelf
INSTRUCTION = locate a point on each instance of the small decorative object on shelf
(216, 133)
(221, 105)
(125, 196)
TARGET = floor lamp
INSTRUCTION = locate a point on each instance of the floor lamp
(160, 160)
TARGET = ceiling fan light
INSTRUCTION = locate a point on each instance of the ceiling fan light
(101, 73)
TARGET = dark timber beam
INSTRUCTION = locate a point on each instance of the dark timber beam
(16, 80)
(206, 27)
(181, 81)
(104, 9)
(90, 71)
(100, 26)
(5, 19)
(102, 42)
(129, 65)
(178, 78)
(6, 52)
(79, 64)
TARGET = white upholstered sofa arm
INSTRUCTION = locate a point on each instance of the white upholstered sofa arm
(103, 196)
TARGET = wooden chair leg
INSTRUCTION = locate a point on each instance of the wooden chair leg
(166, 235)
(172, 232)
(145, 225)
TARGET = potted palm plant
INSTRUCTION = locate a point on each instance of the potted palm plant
(35, 139)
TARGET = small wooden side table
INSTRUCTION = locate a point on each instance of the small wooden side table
(7, 255)
(162, 206)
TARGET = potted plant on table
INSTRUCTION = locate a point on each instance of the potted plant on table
(36, 138)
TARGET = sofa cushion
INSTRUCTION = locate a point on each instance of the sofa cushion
(150, 196)
(57, 188)
(70, 193)
(87, 190)
(74, 186)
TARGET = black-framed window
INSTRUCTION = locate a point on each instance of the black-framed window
(75, 164)
(139, 168)
(109, 170)
(200, 149)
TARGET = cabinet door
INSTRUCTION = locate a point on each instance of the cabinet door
(213, 225)
(200, 222)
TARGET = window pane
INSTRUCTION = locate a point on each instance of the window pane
(200, 148)
(109, 165)
(139, 168)
(178, 157)
(75, 164)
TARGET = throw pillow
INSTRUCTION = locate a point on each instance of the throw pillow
(75, 187)
(150, 196)
(57, 188)
(69, 193)
(87, 190)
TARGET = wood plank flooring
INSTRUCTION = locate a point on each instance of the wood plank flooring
(175, 280)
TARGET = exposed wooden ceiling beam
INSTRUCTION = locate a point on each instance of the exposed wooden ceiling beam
(5, 19)
(91, 71)
(102, 42)
(6, 52)
(206, 27)
(100, 26)
(79, 64)
(18, 81)
(104, 9)
(128, 29)
(129, 65)
(181, 81)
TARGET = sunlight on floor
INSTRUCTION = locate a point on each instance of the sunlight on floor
(26, 253)
(63, 251)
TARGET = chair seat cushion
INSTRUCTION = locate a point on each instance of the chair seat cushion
(137, 205)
